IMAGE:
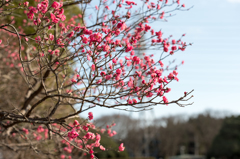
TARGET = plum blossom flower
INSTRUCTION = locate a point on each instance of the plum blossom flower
(121, 147)
(102, 148)
(56, 5)
(90, 115)
(73, 134)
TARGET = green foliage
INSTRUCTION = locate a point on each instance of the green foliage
(111, 147)
(227, 143)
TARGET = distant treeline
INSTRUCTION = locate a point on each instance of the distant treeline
(208, 134)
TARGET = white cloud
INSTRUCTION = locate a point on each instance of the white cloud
(234, 1)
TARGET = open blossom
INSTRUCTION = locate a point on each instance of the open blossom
(130, 101)
(96, 37)
(85, 40)
(73, 134)
(98, 137)
(43, 6)
(103, 73)
(109, 76)
(26, 4)
(56, 5)
(76, 123)
(91, 156)
(106, 48)
(134, 100)
(121, 147)
(86, 128)
(90, 135)
(51, 37)
(131, 3)
(128, 48)
(93, 67)
(54, 19)
(38, 39)
(91, 151)
(118, 71)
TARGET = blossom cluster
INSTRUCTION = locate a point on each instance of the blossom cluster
(70, 61)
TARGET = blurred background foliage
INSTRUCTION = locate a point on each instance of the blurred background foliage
(208, 135)
(227, 142)
(12, 87)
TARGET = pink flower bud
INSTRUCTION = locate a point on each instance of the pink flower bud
(121, 147)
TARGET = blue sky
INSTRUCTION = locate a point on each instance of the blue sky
(212, 64)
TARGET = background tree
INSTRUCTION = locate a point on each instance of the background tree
(167, 134)
(227, 143)
(195, 133)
